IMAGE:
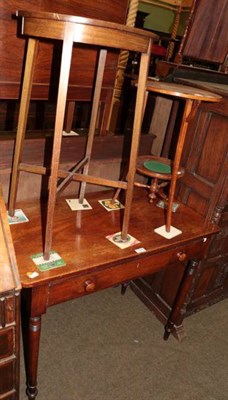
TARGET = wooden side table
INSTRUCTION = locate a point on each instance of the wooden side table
(192, 97)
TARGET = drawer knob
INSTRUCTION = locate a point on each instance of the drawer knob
(181, 256)
(89, 286)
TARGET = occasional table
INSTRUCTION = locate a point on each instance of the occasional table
(192, 97)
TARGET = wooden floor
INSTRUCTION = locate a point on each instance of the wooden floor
(80, 236)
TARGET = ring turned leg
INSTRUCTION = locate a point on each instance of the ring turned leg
(31, 350)
(183, 297)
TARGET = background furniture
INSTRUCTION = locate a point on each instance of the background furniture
(158, 171)
(9, 312)
(204, 186)
(206, 24)
(70, 30)
(82, 74)
(192, 98)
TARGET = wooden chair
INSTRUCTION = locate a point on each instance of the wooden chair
(105, 36)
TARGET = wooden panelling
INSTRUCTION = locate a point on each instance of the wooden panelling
(211, 16)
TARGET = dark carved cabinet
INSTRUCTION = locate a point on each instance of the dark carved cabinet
(205, 189)
(9, 313)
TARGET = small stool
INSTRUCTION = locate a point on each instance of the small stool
(103, 36)
(192, 97)
(158, 169)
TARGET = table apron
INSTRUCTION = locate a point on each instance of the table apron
(64, 289)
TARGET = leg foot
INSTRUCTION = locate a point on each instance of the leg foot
(31, 392)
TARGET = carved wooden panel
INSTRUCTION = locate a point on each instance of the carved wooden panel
(205, 160)
(207, 39)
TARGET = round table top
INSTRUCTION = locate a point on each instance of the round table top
(183, 91)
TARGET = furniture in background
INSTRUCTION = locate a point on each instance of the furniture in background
(213, 18)
(159, 171)
(203, 188)
(192, 98)
(103, 36)
(204, 185)
(48, 61)
(9, 312)
(207, 23)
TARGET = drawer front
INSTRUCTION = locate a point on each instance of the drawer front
(7, 310)
(7, 377)
(6, 342)
(69, 288)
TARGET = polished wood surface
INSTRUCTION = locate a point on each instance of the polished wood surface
(94, 263)
(9, 311)
(182, 91)
(76, 232)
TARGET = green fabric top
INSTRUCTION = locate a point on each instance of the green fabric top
(157, 166)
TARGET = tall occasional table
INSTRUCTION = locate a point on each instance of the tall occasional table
(192, 98)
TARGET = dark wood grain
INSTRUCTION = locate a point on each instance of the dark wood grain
(211, 16)
(9, 312)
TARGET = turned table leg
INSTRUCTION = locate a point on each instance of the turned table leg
(183, 297)
(31, 350)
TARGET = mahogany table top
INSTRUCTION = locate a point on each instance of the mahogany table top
(182, 91)
(80, 236)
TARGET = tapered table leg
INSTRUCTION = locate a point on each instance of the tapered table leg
(183, 297)
(31, 349)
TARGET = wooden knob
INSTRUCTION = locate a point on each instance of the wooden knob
(181, 256)
(89, 286)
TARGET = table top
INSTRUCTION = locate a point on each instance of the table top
(79, 237)
(182, 91)
(50, 16)
(218, 88)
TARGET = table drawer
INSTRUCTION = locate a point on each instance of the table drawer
(76, 286)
